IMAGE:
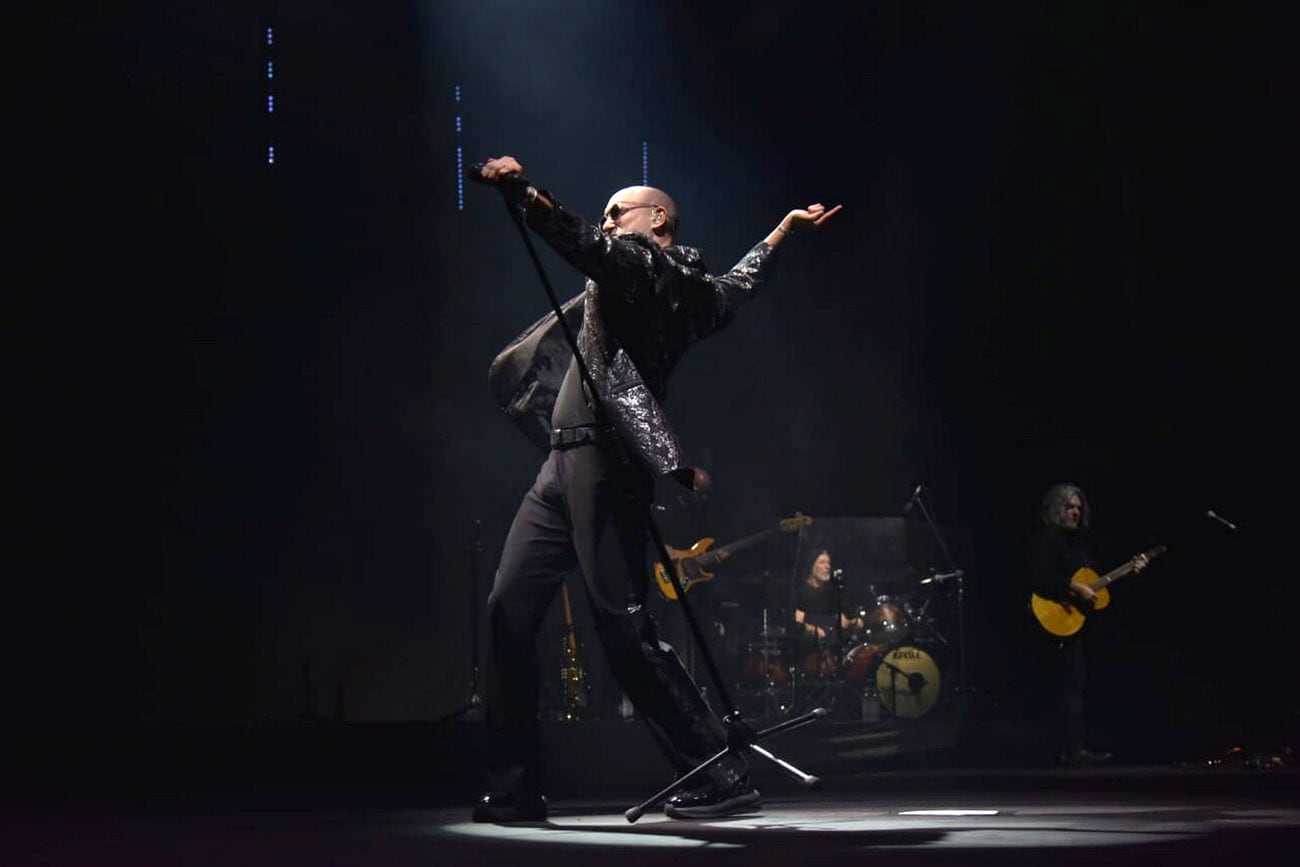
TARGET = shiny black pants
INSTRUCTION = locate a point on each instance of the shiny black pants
(589, 512)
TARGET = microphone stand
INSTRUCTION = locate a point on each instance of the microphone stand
(918, 498)
(741, 738)
(472, 710)
(838, 605)
(840, 645)
(893, 685)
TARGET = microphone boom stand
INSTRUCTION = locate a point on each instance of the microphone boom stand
(741, 737)
(472, 710)
(919, 499)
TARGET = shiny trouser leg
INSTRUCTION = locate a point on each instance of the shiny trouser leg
(585, 511)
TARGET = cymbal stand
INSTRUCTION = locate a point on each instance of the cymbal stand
(953, 572)
(741, 738)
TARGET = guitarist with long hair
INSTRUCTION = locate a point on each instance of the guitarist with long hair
(1060, 555)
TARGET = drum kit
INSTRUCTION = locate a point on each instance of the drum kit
(888, 667)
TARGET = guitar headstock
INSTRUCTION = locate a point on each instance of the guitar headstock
(789, 525)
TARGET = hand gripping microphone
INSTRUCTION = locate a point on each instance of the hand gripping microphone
(512, 185)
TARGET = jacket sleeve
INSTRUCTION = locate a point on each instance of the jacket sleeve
(713, 300)
(617, 264)
(639, 270)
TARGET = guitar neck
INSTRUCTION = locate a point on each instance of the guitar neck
(1112, 576)
(1125, 568)
(739, 544)
(571, 640)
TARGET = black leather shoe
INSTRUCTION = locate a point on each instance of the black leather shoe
(1082, 758)
(504, 809)
(710, 802)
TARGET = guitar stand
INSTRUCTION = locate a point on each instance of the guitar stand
(740, 737)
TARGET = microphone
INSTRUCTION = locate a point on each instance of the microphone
(911, 501)
(1212, 515)
(837, 575)
(940, 577)
(512, 183)
(474, 173)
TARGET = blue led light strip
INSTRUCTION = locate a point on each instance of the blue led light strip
(270, 95)
(460, 159)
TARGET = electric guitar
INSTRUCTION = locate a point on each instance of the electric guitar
(1063, 619)
(692, 562)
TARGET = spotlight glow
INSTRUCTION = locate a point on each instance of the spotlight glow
(596, 833)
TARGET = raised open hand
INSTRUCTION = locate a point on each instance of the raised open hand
(814, 214)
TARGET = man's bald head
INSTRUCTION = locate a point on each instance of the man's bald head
(648, 210)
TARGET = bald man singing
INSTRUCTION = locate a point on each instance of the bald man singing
(646, 300)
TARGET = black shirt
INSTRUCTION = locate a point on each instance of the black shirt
(1054, 556)
(817, 604)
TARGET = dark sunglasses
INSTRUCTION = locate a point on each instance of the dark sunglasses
(617, 211)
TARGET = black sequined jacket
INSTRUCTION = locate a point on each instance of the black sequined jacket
(642, 306)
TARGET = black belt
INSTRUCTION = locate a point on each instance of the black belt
(572, 437)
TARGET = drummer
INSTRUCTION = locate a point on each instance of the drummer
(815, 601)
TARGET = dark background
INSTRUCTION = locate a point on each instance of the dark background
(258, 475)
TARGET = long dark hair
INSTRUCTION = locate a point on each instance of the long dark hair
(813, 561)
(1054, 501)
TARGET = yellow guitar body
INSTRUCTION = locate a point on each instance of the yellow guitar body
(680, 556)
(1063, 619)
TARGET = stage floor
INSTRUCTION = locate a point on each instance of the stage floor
(1124, 815)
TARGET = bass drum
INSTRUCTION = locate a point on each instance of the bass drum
(908, 682)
